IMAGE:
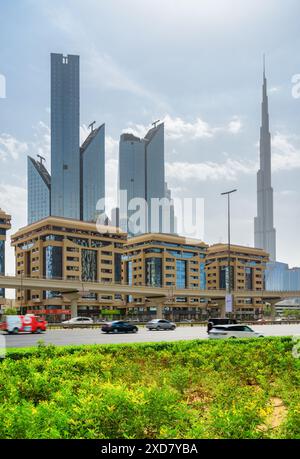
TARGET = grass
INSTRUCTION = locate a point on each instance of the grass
(191, 389)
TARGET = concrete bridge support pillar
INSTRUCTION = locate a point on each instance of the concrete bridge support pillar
(273, 309)
(223, 310)
(74, 308)
(159, 311)
(73, 297)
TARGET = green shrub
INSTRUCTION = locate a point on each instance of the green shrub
(187, 389)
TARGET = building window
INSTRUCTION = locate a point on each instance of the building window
(248, 278)
(154, 272)
(224, 278)
(202, 276)
(117, 267)
(52, 266)
(89, 265)
(181, 274)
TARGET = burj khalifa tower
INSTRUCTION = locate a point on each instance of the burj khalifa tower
(264, 231)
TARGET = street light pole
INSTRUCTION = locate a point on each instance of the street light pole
(228, 194)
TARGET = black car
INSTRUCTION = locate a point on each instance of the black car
(219, 321)
(119, 326)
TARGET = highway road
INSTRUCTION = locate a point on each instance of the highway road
(95, 336)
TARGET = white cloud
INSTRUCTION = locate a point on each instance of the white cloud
(13, 200)
(228, 170)
(83, 133)
(286, 156)
(274, 89)
(11, 148)
(235, 125)
(177, 128)
(111, 147)
(41, 141)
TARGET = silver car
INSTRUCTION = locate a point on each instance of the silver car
(160, 324)
(77, 322)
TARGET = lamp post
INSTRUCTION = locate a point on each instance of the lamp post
(229, 286)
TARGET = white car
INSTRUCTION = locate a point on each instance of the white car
(77, 321)
(233, 331)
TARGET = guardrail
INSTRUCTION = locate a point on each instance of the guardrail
(178, 324)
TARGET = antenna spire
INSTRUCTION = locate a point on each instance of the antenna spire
(91, 126)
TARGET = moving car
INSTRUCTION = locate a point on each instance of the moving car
(119, 326)
(160, 324)
(28, 323)
(219, 321)
(233, 331)
(77, 321)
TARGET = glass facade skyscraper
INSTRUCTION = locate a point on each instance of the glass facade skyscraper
(92, 173)
(132, 178)
(39, 190)
(65, 119)
(4, 226)
(142, 175)
(155, 175)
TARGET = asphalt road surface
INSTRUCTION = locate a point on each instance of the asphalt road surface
(95, 336)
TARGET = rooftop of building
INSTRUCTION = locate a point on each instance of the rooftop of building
(165, 238)
(90, 138)
(41, 170)
(3, 214)
(128, 136)
(151, 133)
(221, 247)
(5, 217)
(67, 223)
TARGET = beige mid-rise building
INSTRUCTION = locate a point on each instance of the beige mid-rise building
(67, 249)
(248, 266)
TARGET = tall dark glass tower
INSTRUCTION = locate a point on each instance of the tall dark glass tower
(4, 226)
(264, 231)
(65, 119)
(39, 189)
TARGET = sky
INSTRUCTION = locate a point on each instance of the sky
(195, 65)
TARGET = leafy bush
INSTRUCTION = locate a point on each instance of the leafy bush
(187, 389)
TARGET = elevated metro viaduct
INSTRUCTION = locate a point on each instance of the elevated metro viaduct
(153, 296)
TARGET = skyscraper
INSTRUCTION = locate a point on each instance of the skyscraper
(142, 175)
(155, 176)
(4, 226)
(92, 173)
(65, 156)
(132, 178)
(264, 231)
(39, 190)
